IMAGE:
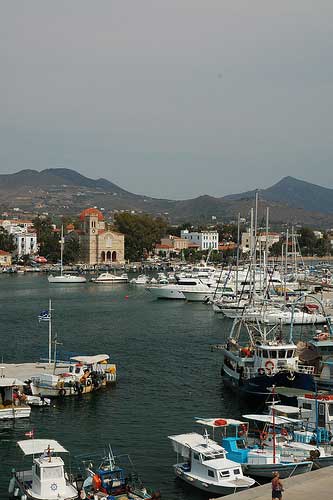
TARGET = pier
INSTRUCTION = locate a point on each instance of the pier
(314, 484)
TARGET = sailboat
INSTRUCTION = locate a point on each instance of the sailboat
(65, 278)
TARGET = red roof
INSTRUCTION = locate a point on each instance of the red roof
(159, 245)
(2, 252)
(91, 211)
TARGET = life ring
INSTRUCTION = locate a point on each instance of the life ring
(261, 371)
(269, 365)
(284, 432)
(263, 436)
(62, 393)
(220, 422)
(96, 482)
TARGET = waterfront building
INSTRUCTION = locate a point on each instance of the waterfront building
(5, 258)
(99, 244)
(24, 235)
(247, 244)
(205, 239)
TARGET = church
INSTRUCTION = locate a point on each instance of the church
(98, 244)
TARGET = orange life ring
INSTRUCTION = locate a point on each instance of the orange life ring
(284, 432)
(96, 482)
(220, 422)
(269, 365)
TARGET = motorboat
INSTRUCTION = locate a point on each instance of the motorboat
(110, 278)
(177, 290)
(82, 375)
(13, 402)
(65, 278)
(256, 357)
(107, 475)
(46, 479)
(206, 466)
(256, 459)
(142, 279)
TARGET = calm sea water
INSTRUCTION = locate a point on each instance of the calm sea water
(167, 373)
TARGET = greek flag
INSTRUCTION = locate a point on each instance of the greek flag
(44, 316)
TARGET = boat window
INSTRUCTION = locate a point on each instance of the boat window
(213, 456)
(77, 370)
(265, 354)
(71, 368)
(241, 445)
(37, 470)
(273, 354)
(321, 409)
(211, 473)
(224, 473)
(330, 410)
(307, 406)
(290, 353)
(52, 473)
(282, 353)
(195, 456)
(236, 471)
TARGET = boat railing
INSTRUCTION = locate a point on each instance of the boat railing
(310, 370)
(250, 371)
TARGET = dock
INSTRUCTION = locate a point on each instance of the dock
(24, 371)
(314, 484)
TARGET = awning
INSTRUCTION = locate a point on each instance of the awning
(268, 419)
(10, 382)
(216, 423)
(38, 446)
(90, 360)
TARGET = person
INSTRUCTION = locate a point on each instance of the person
(277, 487)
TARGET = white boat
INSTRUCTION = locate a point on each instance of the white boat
(110, 278)
(65, 278)
(176, 290)
(46, 479)
(13, 404)
(83, 375)
(206, 466)
(142, 279)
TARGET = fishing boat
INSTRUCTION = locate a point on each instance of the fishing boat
(82, 375)
(106, 477)
(46, 479)
(110, 278)
(65, 278)
(206, 466)
(13, 402)
(256, 357)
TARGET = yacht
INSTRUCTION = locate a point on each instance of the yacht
(110, 278)
(65, 278)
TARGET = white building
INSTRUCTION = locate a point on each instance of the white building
(24, 236)
(205, 239)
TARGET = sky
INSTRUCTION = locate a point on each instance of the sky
(169, 98)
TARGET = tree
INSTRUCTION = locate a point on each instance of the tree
(141, 233)
(48, 240)
(7, 241)
(71, 248)
(307, 241)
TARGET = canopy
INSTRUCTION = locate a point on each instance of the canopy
(38, 446)
(287, 409)
(214, 422)
(90, 360)
(10, 382)
(268, 419)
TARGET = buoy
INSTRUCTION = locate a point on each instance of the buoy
(126, 296)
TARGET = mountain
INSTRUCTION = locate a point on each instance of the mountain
(295, 193)
(62, 191)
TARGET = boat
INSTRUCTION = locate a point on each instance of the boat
(206, 466)
(110, 278)
(46, 479)
(65, 278)
(107, 477)
(82, 375)
(256, 361)
(142, 279)
(13, 401)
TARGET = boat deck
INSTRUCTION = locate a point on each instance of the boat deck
(24, 371)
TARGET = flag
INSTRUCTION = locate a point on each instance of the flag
(29, 434)
(44, 316)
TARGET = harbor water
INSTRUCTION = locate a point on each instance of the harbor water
(167, 374)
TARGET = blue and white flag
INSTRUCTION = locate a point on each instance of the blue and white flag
(44, 316)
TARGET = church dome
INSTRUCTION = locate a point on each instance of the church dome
(91, 211)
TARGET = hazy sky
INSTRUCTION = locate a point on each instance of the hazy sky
(170, 98)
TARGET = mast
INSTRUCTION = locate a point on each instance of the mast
(237, 254)
(61, 248)
(266, 250)
(286, 265)
(50, 332)
(273, 415)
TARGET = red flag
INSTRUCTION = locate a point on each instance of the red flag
(29, 434)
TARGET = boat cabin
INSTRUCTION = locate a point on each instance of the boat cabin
(13, 402)
(320, 409)
(46, 478)
(271, 357)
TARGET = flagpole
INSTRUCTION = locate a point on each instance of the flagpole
(50, 332)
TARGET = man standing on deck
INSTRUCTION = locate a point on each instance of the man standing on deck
(277, 487)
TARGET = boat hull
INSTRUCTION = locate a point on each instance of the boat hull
(67, 279)
(165, 293)
(234, 486)
(284, 469)
(14, 412)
